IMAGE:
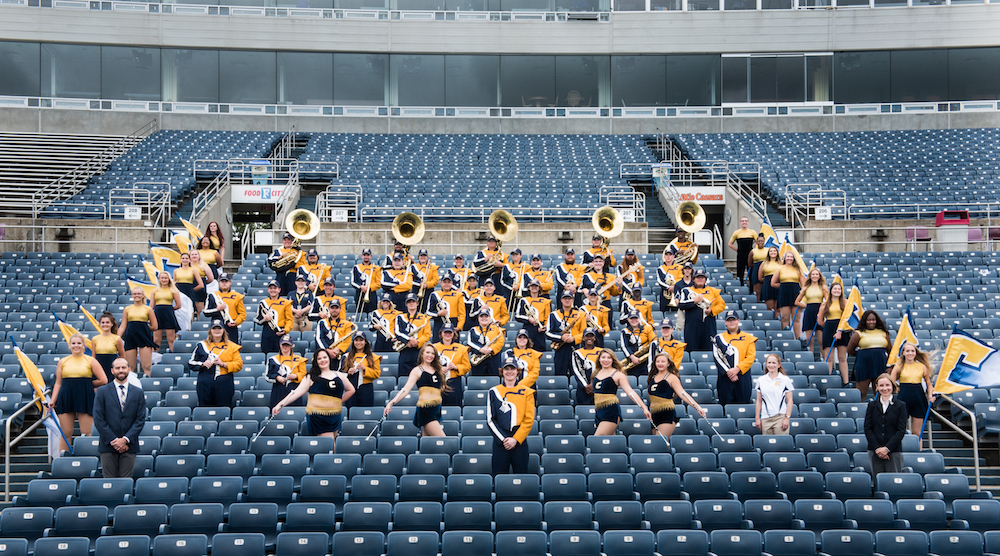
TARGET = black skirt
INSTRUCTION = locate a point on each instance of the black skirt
(165, 319)
(427, 415)
(809, 316)
(138, 335)
(787, 293)
(829, 329)
(767, 292)
(186, 289)
(76, 395)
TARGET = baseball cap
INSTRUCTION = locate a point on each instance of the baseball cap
(567, 293)
(571, 250)
(593, 291)
(700, 272)
(448, 327)
(300, 278)
(273, 283)
(515, 252)
(599, 256)
(630, 251)
(217, 323)
(329, 281)
(335, 302)
(488, 281)
(637, 288)
(534, 283)
(536, 256)
(447, 276)
(286, 339)
(411, 297)
(595, 237)
(287, 235)
(589, 331)
(731, 314)
(688, 265)
(366, 251)
(421, 252)
(633, 315)
(312, 253)
(396, 255)
(666, 323)
(670, 250)
(361, 334)
(509, 362)
(386, 297)
(491, 238)
(459, 256)
(224, 277)
(522, 332)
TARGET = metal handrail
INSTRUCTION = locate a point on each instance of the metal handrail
(11, 442)
(987, 209)
(339, 197)
(716, 241)
(974, 437)
(156, 202)
(800, 206)
(205, 196)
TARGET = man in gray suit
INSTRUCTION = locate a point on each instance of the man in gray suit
(119, 414)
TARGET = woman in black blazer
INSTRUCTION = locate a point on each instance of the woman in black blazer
(885, 425)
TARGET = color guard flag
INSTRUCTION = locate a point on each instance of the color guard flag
(770, 238)
(788, 246)
(904, 335)
(851, 318)
(151, 271)
(183, 243)
(68, 330)
(31, 372)
(146, 288)
(968, 363)
(192, 230)
(164, 256)
(87, 314)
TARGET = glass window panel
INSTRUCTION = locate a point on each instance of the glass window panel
(419, 4)
(247, 77)
(71, 71)
(527, 80)
(581, 79)
(789, 79)
(640, 5)
(856, 3)
(701, 5)
(974, 73)
(471, 80)
(361, 4)
(919, 75)
(470, 5)
(19, 66)
(776, 4)
(190, 75)
(694, 79)
(129, 73)
(316, 4)
(741, 4)
(639, 80)
(818, 83)
(861, 77)
(527, 5)
(360, 79)
(734, 79)
(883, 3)
(762, 78)
(581, 5)
(418, 79)
(305, 78)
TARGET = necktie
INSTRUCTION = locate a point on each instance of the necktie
(121, 396)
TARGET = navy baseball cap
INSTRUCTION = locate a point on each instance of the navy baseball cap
(422, 252)
(273, 283)
(286, 339)
(386, 297)
(224, 277)
(688, 265)
(491, 238)
(366, 251)
(509, 362)
(630, 251)
(700, 272)
(329, 281)
(447, 276)
(522, 332)
(571, 250)
(732, 315)
(489, 281)
(567, 293)
(536, 256)
(666, 323)
(637, 288)
(448, 327)
(312, 253)
(633, 315)
(300, 278)
(595, 237)
(287, 236)
(335, 302)
(589, 332)
(361, 334)
(411, 297)
(599, 256)
(217, 323)
(396, 255)
(515, 252)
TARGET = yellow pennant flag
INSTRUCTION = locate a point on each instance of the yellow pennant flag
(68, 330)
(152, 272)
(163, 255)
(904, 335)
(33, 375)
(183, 243)
(851, 318)
(89, 316)
(147, 289)
(192, 230)
(785, 248)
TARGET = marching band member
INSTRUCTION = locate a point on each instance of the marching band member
(662, 385)
(209, 255)
(811, 296)
(496, 303)
(638, 274)
(108, 345)
(637, 339)
(455, 361)
(598, 316)
(413, 329)
(529, 361)
(313, 271)
(366, 279)
(382, 322)
(485, 339)
(735, 384)
(829, 316)
(667, 344)
(583, 365)
(166, 300)
(512, 278)
(596, 279)
(669, 285)
(568, 276)
(322, 302)
(285, 275)
(138, 323)
(328, 390)
(234, 302)
(425, 277)
(686, 281)
(397, 248)
(700, 308)
(277, 319)
(459, 273)
(599, 248)
(398, 281)
(187, 280)
(72, 399)
(362, 368)
(446, 306)
(565, 329)
(788, 281)
(870, 346)
(510, 415)
(216, 359)
(214, 233)
(431, 381)
(285, 370)
(334, 333)
(206, 276)
(489, 261)
(533, 312)
(302, 302)
(757, 255)
(765, 273)
(607, 379)
(683, 244)
(637, 303)
(473, 304)
(742, 242)
(543, 277)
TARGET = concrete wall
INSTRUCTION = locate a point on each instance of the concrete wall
(120, 123)
(95, 236)
(875, 236)
(627, 33)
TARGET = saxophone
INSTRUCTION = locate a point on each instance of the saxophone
(642, 354)
(399, 345)
(567, 327)
(478, 358)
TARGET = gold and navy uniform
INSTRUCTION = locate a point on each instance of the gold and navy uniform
(593, 280)
(490, 337)
(543, 277)
(455, 301)
(739, 391)
(359, 277)
(486, 254)
(296, 369)
(498, 307)
(335, 334)
(569, 273)
(458, 354)
(406, 327)
(315, 275)
(605, 252)
(542, 306)
(269, 338)
(215, 383)
(673, 348)
(699, 325)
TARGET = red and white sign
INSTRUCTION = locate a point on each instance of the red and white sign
(703, 195)
(266, 194)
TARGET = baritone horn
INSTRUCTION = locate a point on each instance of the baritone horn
(608, 223)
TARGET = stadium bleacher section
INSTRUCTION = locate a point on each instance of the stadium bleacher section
(199, 479)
